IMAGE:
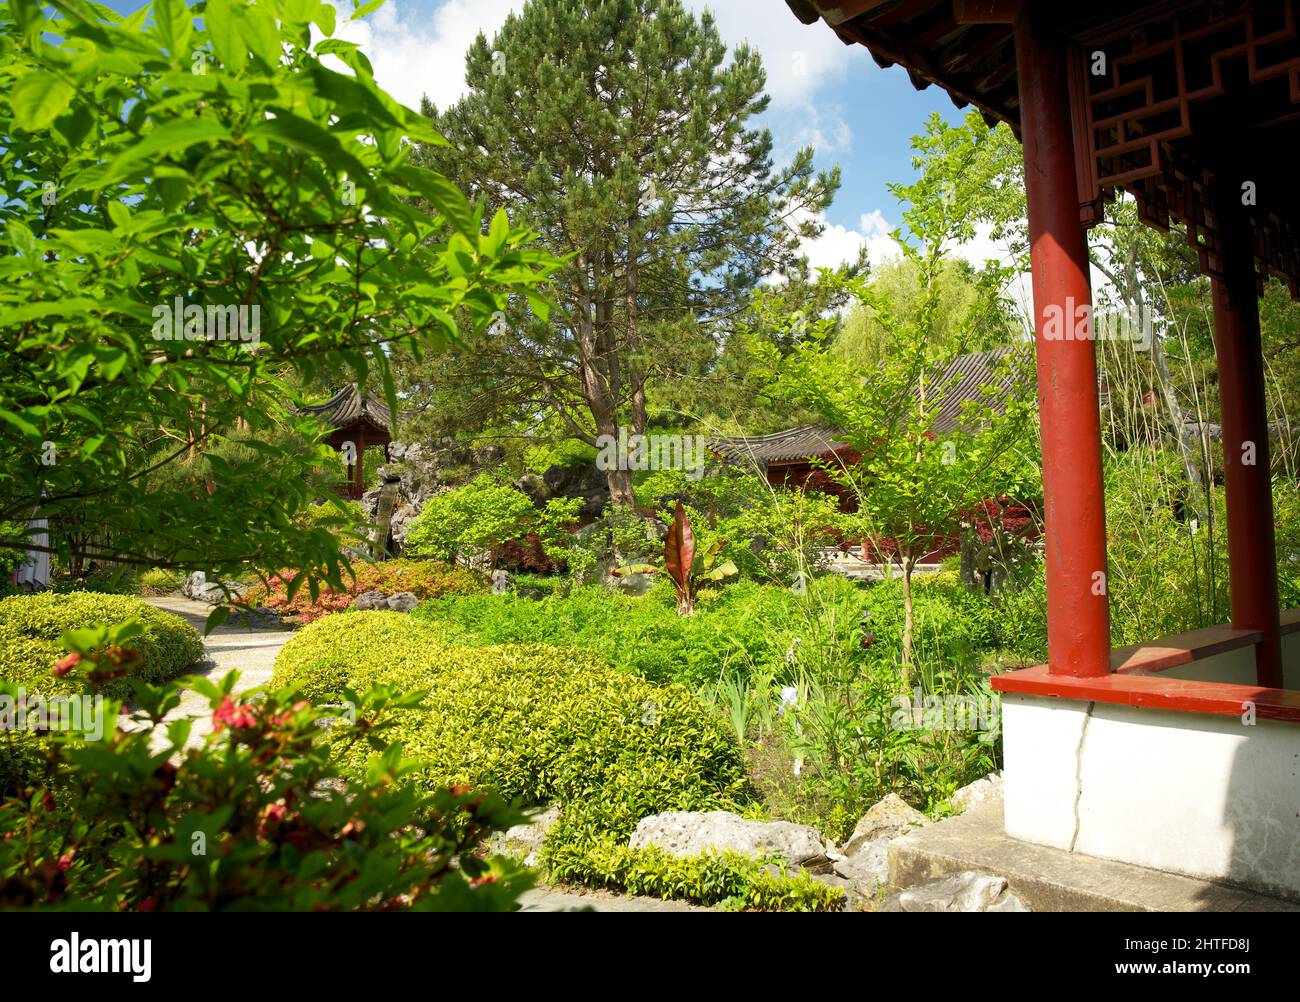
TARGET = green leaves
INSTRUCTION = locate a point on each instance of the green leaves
(152, 195)
(445, 198)
(38, 98)
(172, 137)
(222, 24)
(175, 24)
(366, 9)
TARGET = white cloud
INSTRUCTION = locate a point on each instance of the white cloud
(837, 245)
(799, 59)
(416, 54)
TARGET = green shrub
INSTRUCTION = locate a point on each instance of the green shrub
(160, 581)
(470, 520)
(740, 627)
(102, 580)
(728, 879)
(134, 814)
(534, 723)
(31, 627)
(350, 651)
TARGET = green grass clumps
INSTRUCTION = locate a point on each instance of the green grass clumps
(737, 628)
(539, 724)
(31, 627)
(727, 879)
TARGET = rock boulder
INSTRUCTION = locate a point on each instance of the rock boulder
(690, 833)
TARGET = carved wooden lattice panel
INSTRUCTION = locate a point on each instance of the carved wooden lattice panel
(1163, 103)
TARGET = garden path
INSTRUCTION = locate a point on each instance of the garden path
(251, 649)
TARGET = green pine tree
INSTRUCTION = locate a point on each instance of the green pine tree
(621, 132)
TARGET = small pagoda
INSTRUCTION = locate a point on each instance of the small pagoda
(359, 419)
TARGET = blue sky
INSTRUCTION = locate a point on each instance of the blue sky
(824, 93)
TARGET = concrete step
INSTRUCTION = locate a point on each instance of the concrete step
(1054, 880)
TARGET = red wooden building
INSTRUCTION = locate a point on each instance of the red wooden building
(356, 421)
(799, 457)
(1178, 754)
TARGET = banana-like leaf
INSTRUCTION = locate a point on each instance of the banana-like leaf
(679, 548)
(720, 572)
(619, 572)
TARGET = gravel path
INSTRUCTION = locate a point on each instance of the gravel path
(232, 645)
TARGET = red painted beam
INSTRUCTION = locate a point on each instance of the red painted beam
(1078, 618)
(1252, 555)
(1182, 649)
(1157, 693)
(986, 11)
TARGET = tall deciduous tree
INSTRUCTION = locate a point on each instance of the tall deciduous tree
(621, 131)
(912, 480)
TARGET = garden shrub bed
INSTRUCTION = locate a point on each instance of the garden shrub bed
(541, 724)
(743, 627)
(31, 627)
(426, 579)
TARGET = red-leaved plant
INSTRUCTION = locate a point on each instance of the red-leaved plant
(687, 566)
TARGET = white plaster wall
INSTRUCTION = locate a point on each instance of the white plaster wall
(1235, 666)
(1193, 793)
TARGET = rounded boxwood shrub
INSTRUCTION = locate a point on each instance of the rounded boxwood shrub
(31, 625)
(353, 650)
(542, 724)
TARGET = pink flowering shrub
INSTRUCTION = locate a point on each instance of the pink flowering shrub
(423, 578)
(254, 817)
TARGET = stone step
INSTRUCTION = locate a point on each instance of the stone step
(1054, 880)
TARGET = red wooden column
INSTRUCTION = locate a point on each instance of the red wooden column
(1252, 556)
(1078, 615)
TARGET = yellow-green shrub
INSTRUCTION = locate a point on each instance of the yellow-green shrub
(31, 625)
(536, 723)
(160, 581)
(353, 650)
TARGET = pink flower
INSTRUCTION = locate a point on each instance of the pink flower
(66, 665)
(229, 714)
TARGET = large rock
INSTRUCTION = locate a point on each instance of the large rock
(403, 601)
(369, 600)
(964, 892)
(535, 487)
(888, 819)
(868, 867)
(584, 482)
(200, 589)
(525, 841)
(690, 833)
(978, 792)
